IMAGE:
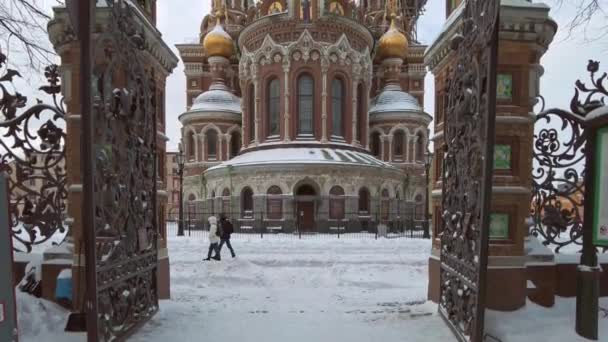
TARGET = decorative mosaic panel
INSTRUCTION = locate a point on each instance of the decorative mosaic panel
(499, 226)
(504, 87)
(502, 157)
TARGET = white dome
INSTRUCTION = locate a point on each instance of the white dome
(217, 99)
(393, 99)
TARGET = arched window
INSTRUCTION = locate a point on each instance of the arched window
(211, 144)
(305, 105)
(398, 143)
(274, 203)
(385, 205)
(419, 209)
(212, 203)
(336, 203)
(191, 146)
(375, 145)
(363, 201)
(273, 102)
(226, 202)
(190, 206)
(251, 121)
(337, 107)
(398, 200)
(420, 147)
(235, 143)
(247, 203)
(360, 113)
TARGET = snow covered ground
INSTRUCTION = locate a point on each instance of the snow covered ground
(284, 289)
(325, 289)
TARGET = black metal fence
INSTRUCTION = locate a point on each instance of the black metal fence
(322, 225)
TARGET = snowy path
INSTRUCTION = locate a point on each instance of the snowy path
(281, 289)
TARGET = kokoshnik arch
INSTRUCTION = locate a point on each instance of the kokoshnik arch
(310, 106)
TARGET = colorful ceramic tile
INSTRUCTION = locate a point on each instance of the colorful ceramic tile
(504, 87)
(499, 226)
(502, 157)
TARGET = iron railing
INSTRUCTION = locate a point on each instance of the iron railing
(261, 223)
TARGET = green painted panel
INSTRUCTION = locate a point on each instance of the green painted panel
(502, 157)
(499, 226)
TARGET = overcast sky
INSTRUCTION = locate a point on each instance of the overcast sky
(565, 62)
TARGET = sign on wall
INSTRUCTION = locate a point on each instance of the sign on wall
(8, 319)
(600, 221)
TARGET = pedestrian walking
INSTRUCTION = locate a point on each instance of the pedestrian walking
(214, 239)
(227, 230)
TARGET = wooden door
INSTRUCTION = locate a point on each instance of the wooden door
(306, 216)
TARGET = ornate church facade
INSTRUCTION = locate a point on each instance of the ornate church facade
(306, 113)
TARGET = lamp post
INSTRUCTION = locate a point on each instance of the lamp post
(428, 159)
(180, 171)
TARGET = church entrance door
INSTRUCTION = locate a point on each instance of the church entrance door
(305, 197)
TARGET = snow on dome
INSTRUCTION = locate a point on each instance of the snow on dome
(302, 155)
(217, 99)
(393, 99)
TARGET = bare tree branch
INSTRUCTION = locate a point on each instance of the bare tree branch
(23, 31)
(585, 12)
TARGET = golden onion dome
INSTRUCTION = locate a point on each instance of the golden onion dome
(218, 42)
(393, 43)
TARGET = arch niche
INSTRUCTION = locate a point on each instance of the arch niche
(306, 196)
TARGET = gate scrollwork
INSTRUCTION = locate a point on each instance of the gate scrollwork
(466, 174)
(32, 153)
(558, 187)
(125, 177)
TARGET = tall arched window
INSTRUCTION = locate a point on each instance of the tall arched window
(247, 203)
(360, 113)
(211, 144)
(385, 205)
(336, 203)
(190, 206)
(235, 143)
(363, 201)
(420, 147)
(375, 144)
(226, 202)
(191, 146)
(419, 208)
(251, 121)
(274, 203)
(273, 102)
(305, 105)
(398, 143)
(337, 107)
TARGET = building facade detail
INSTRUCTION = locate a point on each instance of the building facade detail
(291, 120)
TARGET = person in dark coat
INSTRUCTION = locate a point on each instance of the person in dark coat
(227, 230)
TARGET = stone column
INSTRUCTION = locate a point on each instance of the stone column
(227, 138)
(256, 87)
(324, 68)
(355, 119)
(244, 123)
(286, 68)
(390, 147)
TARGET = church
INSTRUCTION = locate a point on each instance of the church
(306, 115)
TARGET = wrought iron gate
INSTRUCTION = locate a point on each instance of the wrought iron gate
(32, 153)
(119, 170)
(467, 173)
